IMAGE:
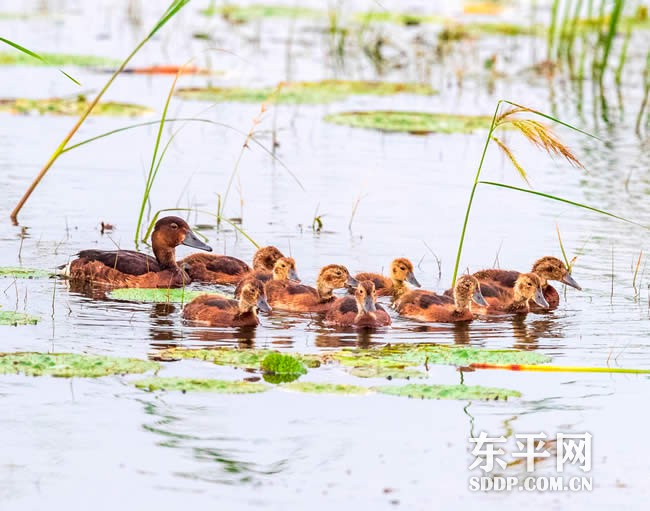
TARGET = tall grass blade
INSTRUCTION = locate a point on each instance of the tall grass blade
(173, 9)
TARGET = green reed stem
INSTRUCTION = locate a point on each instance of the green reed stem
(171, 11)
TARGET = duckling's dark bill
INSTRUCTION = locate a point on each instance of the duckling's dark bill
(191, 240)
(263, 305)
(569, 281)
(539, 299)
(477, 297)
(410, 278)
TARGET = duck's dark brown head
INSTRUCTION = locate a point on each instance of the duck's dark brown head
(528, 286)
(171, 231)
(253, 296)
(285, 269)
(266, 257)
(401, 270)
(366, 297)
(551, 268)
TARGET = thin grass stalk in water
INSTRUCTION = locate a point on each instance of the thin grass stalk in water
(623, 57)
(636, 273)
(36, 56)
(171, 11)
(609, 37)
(550, 43)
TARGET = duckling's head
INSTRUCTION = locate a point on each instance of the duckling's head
(285, 269)
(253, 296)
(466, 290)
(401, 270)
(171, 231)
(266, 257)
(529, 287)
(551, 268)
(366, 297)
(334, 276)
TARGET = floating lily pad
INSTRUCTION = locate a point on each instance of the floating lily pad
(378, 371)
(156, 295)
(70, 106)
(246, 13)
(242, 358)
(400, 18)
(200, 385)
(411, 122)
(67, 365)
(503, 29)
(54, 59)
(23, 273)
(281, 364)
(8, 318)
(325, 388)
(462, 392)
(325, 91)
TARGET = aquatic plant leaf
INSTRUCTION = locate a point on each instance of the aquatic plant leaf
(281, 364)
(8, 318)
(157, 295)
(70, 106)
(378, 371)
(459, 392)
(400, 18)
(53, 59)
(246, 13)
(235, 357)
(16, 272)
(325, 91)
(411, 122)
(68, 365)
(200, 385)
(325, 388)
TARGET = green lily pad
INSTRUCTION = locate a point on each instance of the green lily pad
(68, 365)
(15, 272)
(282, 365)
(200, 385)
(403, 356)
(461, 392)
(326, 388)
(377, 371)
(504, 29)
(400, 18)
(246, 13)
(54, 59)
(325, 91)
(156, 295)
(70, 106)
(234, 357)
(8, 318)
(411, 122)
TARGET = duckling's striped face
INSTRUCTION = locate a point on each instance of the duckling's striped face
(468, 289)
(253, 296)
(366, 296)
(529, 287)
(266, 257)
(285, 269)
(335, 276)
(551, 268)
(401, 270)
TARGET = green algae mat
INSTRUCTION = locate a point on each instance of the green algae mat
(200, 385)
(68, 365)
(247, 13)
(457, 392)
(326, 388)
(156, 295)
(70, 106)
(9, 318)
(15, 272)
(55, 59)
(325, 91)
(411, 122)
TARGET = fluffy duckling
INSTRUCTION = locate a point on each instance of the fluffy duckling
(215, 310)
(126, 268)
(429, 306)
(284, 269)
(401, 271)
(527, 287)
(362, 311)
(291, 296)
(547, 268)
(226, 270)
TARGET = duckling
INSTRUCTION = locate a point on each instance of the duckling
(401, 270)
(126, 268)
(284, 269)
(214, 310)
(290, 296)
(226, 270)
(547, 268)
(429, 306)
(528, 286)
(362, 311)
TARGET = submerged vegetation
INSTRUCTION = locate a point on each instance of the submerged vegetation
(245, 13)
(68, 365)
(54, 59)
(10, 318)
(459, 392)
(70, 106)
(411, 122)
(325, 91)
(155, 295)
(200, 385)
(15, 272)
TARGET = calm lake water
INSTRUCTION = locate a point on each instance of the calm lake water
(104, 442)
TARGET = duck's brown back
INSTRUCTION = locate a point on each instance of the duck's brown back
(383, 285)
(128, 262)
(215, 269)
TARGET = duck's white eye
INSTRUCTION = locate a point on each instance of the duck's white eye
(174, 226)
